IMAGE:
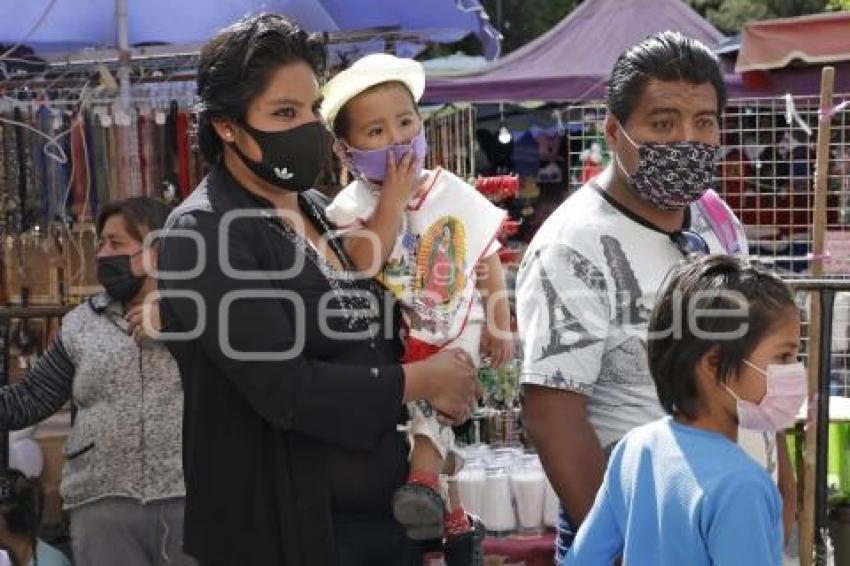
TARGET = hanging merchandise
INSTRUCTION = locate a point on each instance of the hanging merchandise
(526, 155)
(66, 155)
(551, 173)
(593, 162)
(181, 137)
(451, 140)
(498, 188)
(585, 150)
(63, 160)
(548, 145)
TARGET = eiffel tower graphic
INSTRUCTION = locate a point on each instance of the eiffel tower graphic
(561, 320)
(628, 294)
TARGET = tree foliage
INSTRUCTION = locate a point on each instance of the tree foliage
(524, 20)
(729, 16)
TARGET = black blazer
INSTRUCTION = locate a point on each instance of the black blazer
(274, 448)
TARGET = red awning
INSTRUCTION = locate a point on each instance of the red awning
(772, 44)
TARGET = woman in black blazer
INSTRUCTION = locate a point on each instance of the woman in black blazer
(293, 387)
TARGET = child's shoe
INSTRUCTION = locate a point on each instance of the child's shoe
(419, 508)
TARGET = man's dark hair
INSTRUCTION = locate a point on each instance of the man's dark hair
(141, 215)
(236, 64)
(664, 56)
(714, 285)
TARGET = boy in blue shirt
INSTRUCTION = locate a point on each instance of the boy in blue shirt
(723, 346)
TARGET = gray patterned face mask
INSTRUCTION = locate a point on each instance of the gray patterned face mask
(671, 176)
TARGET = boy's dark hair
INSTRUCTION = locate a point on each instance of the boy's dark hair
(141, 215)
(235, 67)
(726, 293)
(21, 501)
(342, 122)
(664, 56)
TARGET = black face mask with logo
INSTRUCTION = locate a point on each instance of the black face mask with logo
(114, 273)
(292, 159)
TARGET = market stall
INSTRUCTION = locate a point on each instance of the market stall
(547, 107)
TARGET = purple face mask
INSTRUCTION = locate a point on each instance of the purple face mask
(372, 164)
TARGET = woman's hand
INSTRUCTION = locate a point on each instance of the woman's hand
(144, 321)
(448, 380)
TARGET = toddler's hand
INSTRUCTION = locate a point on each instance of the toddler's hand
(401, 178)
(498, 345)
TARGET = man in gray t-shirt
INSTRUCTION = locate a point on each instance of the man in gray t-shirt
(588, 281)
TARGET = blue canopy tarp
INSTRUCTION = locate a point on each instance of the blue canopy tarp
(64, 25)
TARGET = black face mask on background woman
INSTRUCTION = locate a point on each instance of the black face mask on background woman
(292, 159)
(114, 273)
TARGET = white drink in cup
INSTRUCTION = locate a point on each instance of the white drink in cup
(497, 510)
(529, 488)
(470, 485)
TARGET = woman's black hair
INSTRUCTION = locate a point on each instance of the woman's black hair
(141, 215)
(664, 56)
(236, 64)
(713, 301)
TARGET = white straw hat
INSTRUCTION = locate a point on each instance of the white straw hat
(367, 72)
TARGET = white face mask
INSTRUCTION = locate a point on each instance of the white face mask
(786, 392)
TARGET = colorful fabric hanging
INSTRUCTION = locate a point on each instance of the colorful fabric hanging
(110, 155)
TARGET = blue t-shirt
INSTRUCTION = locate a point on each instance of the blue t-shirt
(674, 495)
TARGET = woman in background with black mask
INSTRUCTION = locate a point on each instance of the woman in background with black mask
(294, 388)
(122, 481)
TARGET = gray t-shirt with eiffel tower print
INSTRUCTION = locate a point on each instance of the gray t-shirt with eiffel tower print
(585, 291)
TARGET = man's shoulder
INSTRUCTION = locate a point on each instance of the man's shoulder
(585, 210)
(576, 225)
